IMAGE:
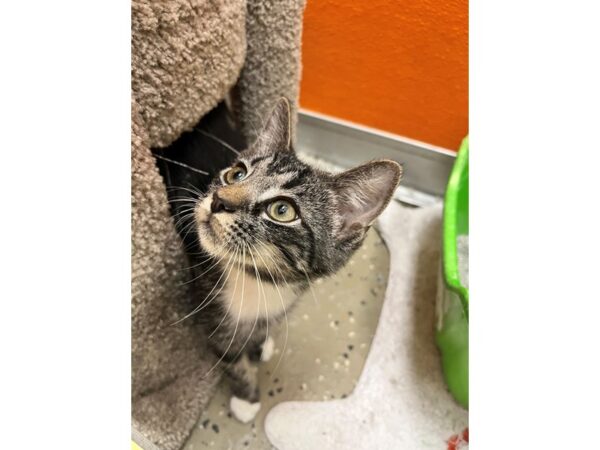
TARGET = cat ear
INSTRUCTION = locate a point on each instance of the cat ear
(364, 192)
(276, 134)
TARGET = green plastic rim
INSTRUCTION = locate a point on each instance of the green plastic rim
(456, 222)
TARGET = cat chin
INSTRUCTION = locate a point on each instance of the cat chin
(211, 243)
(208, 239)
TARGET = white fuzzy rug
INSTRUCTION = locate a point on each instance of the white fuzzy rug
(401, 400)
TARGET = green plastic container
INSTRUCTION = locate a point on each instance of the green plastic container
(452, 334)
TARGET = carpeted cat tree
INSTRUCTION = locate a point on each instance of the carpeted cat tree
(187, 55)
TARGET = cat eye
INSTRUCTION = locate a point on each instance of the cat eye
(235, 175)
(282, 211)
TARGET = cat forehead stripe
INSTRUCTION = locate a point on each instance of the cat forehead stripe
(271, 193)
(258, 159)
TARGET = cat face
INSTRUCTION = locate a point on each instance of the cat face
(285, 218)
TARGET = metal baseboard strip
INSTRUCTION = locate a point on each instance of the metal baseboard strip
(345, 144)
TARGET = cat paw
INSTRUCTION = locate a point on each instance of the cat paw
(267, 349)
(243, 410)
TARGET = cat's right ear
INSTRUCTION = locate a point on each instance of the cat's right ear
(276, 134)
(363, 193)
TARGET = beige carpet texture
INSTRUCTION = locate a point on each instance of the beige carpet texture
(187, 56)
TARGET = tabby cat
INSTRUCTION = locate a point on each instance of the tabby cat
(266, 225)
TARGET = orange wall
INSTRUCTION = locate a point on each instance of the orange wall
(396, 65)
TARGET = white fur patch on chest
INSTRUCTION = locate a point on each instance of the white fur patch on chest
(248, 299)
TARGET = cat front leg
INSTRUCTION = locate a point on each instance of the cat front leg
(243, 376)
(262, 351)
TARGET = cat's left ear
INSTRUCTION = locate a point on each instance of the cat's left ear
(276, 134)
(364, 192)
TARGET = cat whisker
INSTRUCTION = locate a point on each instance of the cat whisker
(186, 230)
(276, 267)
(213, 265)
(310, 286)
(182, 196)
(216, 139)
(211, 291)
(172, 161)
(201, 262)
(187, 210)
(207, 301)
(192, 189)
(237, 323)
(257, 309)
(182, 208)
(186, 215)
(284, 312)
(183, 219)
(238, 261)
(182, 200)
(188, 246)
(201, 258)
(260, 283)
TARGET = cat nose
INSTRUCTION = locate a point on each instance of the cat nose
(218, 204)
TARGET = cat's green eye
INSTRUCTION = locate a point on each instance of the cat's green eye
(235, 175)
(282, 211)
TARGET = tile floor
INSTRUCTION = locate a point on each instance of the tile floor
(329, 337)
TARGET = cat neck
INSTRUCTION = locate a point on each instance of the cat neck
(250, 298)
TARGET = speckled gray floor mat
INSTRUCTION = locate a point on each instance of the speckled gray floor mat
(400, 401)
